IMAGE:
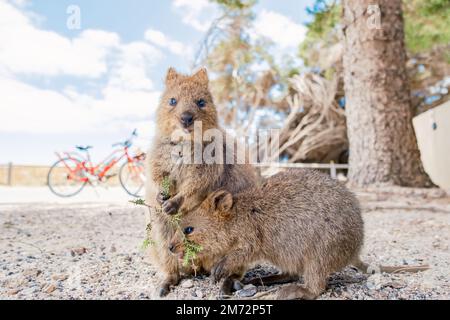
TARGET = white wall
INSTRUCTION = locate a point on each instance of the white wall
(434, 145)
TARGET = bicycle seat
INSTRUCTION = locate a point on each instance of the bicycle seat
(86, 148)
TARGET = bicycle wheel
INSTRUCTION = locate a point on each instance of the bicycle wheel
(65, 178)
(132, 178)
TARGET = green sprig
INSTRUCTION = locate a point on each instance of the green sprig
(175, 220)
(165, 187)
(147, 243)
(190, 252)
(139, 202)
(191, 248)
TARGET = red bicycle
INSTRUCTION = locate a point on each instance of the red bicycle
(70, 174)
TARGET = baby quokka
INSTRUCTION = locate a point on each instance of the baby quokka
(300, 221)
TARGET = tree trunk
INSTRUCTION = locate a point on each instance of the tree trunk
(383, 146)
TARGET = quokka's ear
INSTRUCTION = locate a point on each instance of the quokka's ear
(221, 202)
(201, 75)
(172, 75)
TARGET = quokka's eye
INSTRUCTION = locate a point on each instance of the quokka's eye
(201, 103)
(188, 230)
(173, 102)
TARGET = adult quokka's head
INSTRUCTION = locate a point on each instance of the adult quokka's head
(186, 100)
(207, 226)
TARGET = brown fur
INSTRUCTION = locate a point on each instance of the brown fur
(300, 221)
(191, 182)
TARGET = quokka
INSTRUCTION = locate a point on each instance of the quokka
(186, 99)
(300, 221)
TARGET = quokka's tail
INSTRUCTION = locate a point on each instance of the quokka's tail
(366, 268)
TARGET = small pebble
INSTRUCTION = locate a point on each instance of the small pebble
(78, 251)
(199, 294)
(32, 272)
(245, 293)
(60, 277)
(237, 285)
(187, 284)
(49, 288)
(13, 292)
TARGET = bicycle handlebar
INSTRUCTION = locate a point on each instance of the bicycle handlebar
(127, 143)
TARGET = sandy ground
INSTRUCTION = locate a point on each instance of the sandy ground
(91, 249)
(100, 194)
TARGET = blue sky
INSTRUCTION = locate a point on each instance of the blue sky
(63, 87)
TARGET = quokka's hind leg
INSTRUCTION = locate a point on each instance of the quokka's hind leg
(169, 266)
(231, 283)
(298, 291)
(169, 280)
(315, 284)
(272, 279)
(228, 286)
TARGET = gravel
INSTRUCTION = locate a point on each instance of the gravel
(93, 251)
(248, 291)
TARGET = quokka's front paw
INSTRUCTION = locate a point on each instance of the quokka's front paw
(163, 290)
(170, 207)
(161, 197)
(220, 270)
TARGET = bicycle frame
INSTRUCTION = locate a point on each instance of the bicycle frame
(86, 164)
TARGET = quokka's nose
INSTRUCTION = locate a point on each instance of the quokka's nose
(171, 247)
(187, 119)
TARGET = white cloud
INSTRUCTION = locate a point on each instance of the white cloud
(198, 14)
(280, 29)
(27, 109)
(28, 50)
(125, 96)
(160, 39)
(132, 67)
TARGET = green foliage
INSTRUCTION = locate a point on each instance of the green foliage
(323, 30)
(165, 187)
(232, 56)
(327, 14)
(235, 4)
(191, 250)
(146, 243)
(175, 219)
(138, 202)
(430, 7)
(427, 24)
